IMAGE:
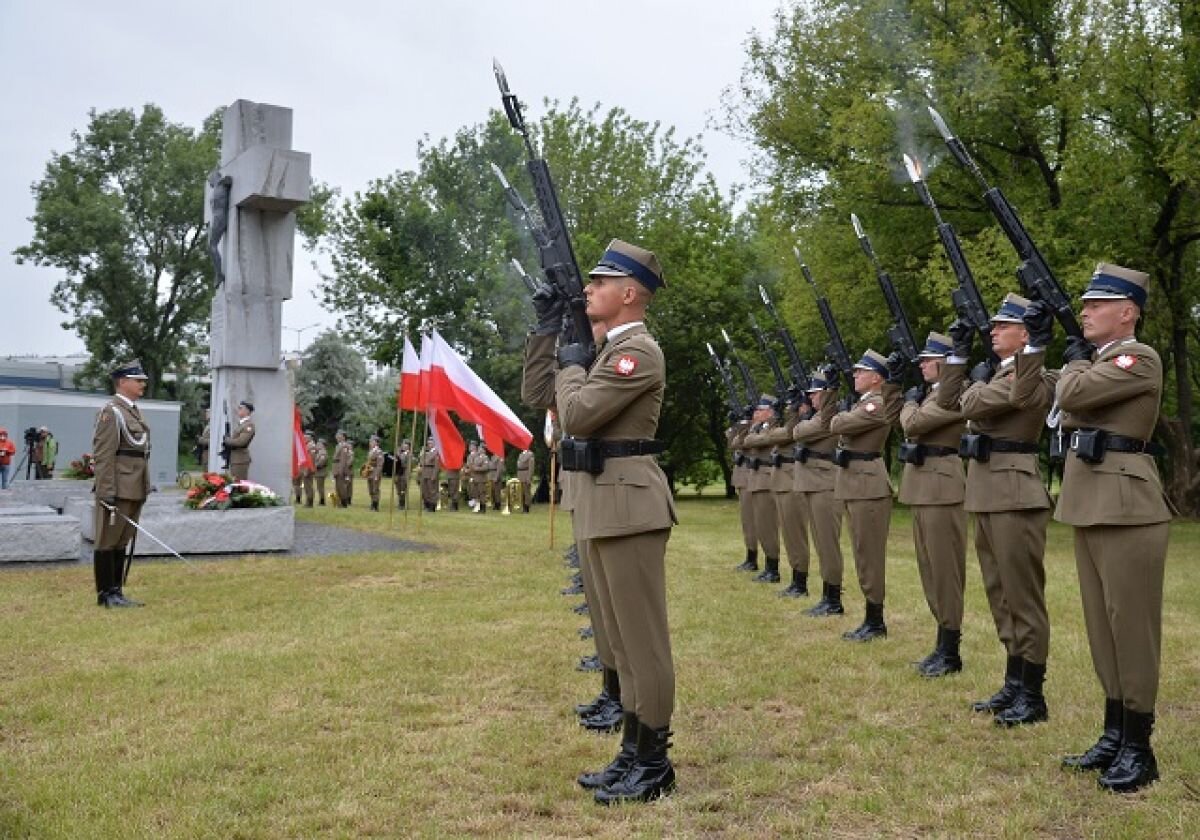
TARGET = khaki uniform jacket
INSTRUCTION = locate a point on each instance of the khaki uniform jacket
(429, 465)
(734, 435)
(757, 448)
(865, 428)
(941, 480)
(1010, 407)
(1118, 392)
(312, 456)
(320, 458)
(400, 470)
(537, 376)
(496, 469)
(343, 459)
(121, 447)
(375, 463)
(779, 439)
(239, 443)
(525, 466)
(618, 398)
(816, 475)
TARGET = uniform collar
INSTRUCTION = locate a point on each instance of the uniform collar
(1129, 339)
(245, 419)
(624, 328)
(124, 399)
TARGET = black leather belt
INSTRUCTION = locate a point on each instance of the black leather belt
(938, 451)
(843, 457)
(1018, 446)
(133, 453)
(784, 459)
(1119, 443)
(803, 453)
(629, 448)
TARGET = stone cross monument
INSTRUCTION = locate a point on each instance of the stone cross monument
(259, 185)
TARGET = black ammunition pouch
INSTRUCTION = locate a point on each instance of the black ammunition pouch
(911, 453)
(738, 459)
(779, 458)
(589, 455)
(843, 457)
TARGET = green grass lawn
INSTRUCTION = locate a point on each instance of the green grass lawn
(430, 694)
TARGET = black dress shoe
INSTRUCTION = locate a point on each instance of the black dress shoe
(1101, 755)
(619, 766)
(798, 588)
(830, 603)
(651, 775)
(116, 598)
(750, 564)
(607, 718)
(946, 659)
(871, 628)
(1008, 692)
(771, 573)
(1135, 765)
(1030, 705)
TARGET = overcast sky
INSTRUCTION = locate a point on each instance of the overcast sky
(366, 81)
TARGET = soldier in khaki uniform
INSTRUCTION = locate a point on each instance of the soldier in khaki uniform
(306, 473)
(320, 469)
(238, 442)
(861, 481)
(472, 480)
(934, 486)
(759, 483)
(525, 476)
(202, 442)
(1109, 392)
(496, 476)
(121, 446)
(610, 406)
(429, 477)
(374, 467)
(400, 474)
(740, 479)
(815, 478)
(453, 487)
(1006, 412)
(343, 469)
(790, 511)
(481, 465)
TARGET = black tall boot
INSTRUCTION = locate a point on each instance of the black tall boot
(1030, 705)
(798, 587)
(619, 766)
(771, 573)
(830, 603)
(102, 569)
(1135, 765)
(871, 628)
(1100, 755)
(1003, 698)
(116, 594)
(607, 714)
(946, 658)
(374, 505)
(750, 564)
(651, 775)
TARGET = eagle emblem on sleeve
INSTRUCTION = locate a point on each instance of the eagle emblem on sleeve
(1125, 361)
(625, 365)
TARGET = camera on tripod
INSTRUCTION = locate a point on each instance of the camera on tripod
(32, 436)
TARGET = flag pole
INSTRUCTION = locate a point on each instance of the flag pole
(424, 439)
(553, 487)
(408, 476)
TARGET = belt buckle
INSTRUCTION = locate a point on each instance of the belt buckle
(1074, 444)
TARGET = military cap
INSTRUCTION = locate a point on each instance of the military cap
(249, 406)
(817, 382)
(936, 346)
(129, 370)
(874, 362)
(624, 260)
(1012, 310)
(1114, 282)
(765, 401)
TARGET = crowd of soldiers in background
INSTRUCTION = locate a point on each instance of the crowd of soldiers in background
(476, 486)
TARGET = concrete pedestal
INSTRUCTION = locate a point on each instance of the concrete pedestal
(234, 531)
(33, 533)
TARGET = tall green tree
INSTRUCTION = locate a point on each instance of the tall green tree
(327, 382)
(1084, 113)
(122, 215)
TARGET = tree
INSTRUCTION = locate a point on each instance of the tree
(1084, 113)
(327, 382)
(122, 214)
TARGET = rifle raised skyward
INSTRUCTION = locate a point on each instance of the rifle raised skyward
(736, 408)
(799, 370)
(900, 333)
(751, 389)
(781, 385)
(836, 348)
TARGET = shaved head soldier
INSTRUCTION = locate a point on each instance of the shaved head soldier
(1109, 392)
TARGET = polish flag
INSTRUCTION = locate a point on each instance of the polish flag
(424, 364)
(301, 460)
(454, 386)
(446, 438)
(410, 378)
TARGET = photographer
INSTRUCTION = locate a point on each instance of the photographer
(34, 443)
(49, 453)
(7, 450)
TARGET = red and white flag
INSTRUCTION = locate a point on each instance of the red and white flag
(454, 386)
(410, 378)
(446, 438)
(301, 460)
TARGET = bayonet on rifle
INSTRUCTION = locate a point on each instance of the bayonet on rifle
(900, 333)
(747, 380)
(1034, 274)
(736, 409)
(781, 386)
(799, 370)
(968, 302)
(556, 254)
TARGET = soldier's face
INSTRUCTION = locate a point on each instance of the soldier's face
(1008, 339)
(762, 415)
(1104, 320)
(606, 296)
(866, 380)
(131, 389)
(931, 368)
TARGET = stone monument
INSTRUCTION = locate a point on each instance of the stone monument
(259, 185)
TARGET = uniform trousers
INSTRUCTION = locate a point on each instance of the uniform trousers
(746, 509)
(1011, 547)
(240, 472)
(1121, 571)
(110, 529)
(940, 537)
(373, 488)
(320, 486)
(604, 649)
(868, 536)
(308, 489)
(793, 517)
(344, 485)
(630, 577)
(824, 514)
(766, 521)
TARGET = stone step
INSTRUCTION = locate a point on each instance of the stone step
(38, 536)
(234, 531)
